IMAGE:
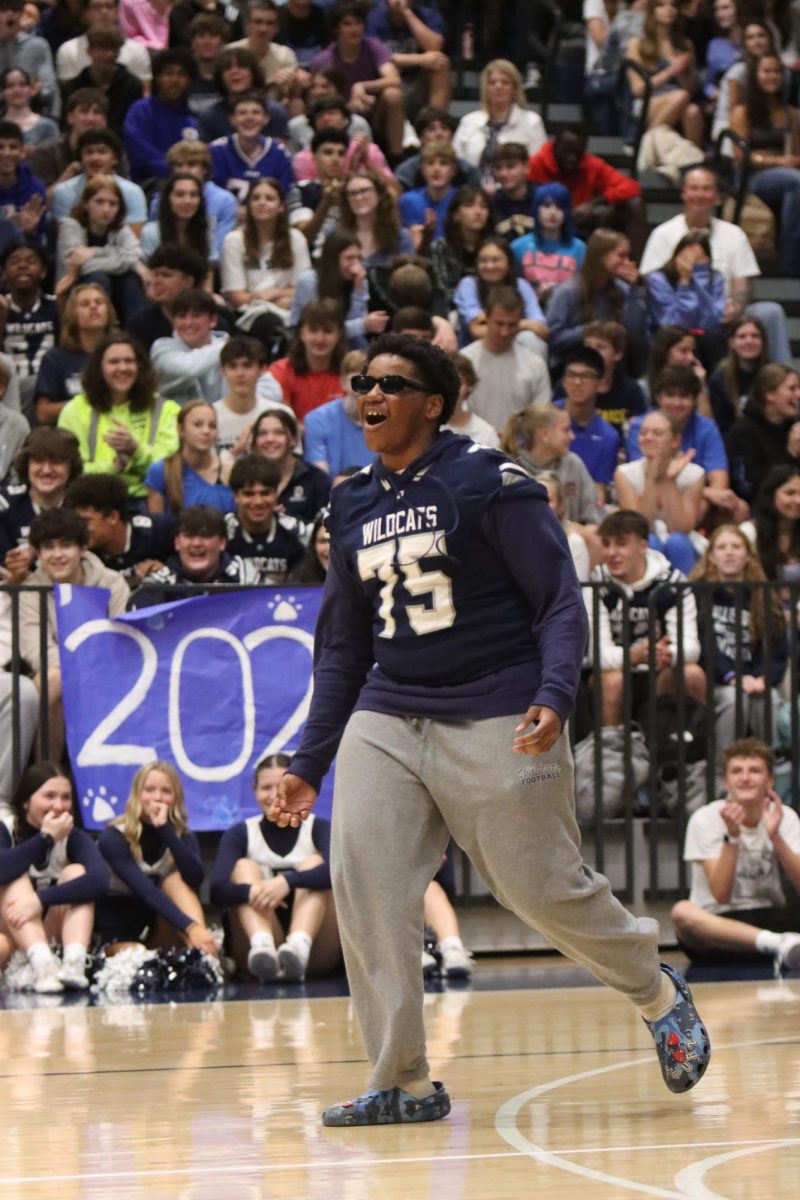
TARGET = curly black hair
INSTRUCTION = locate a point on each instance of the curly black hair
(435, 368)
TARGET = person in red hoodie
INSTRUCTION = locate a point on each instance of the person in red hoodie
(600, 194)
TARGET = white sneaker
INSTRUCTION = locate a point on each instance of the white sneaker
(788, 955)
(262, 961)
(456, 962)
(73, 974)
(429, 964)
(292, 962)
(46, 979)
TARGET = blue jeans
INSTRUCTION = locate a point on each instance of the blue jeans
(779, 187)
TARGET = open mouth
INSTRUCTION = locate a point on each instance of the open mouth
(374, 417)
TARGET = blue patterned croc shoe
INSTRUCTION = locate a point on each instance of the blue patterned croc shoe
(682, 1043)
(390, 1107)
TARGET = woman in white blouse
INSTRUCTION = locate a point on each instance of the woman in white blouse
(261, 262)
(502, 117)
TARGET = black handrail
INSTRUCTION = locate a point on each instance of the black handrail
(630, 64)
(742, 175)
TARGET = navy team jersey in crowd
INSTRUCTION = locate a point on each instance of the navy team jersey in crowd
(450, 594)
(147, 537)
(17, 510)
(236, 171)
(30, 333)
(275, 553)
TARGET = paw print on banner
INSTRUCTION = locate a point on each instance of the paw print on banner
(102, 808)
(285, 608)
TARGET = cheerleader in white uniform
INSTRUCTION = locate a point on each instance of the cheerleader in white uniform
(51, 874)
(276, 885)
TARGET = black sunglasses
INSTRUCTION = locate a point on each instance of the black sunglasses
(390, 385)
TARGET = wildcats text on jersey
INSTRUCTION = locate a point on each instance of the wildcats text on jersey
(408, 520)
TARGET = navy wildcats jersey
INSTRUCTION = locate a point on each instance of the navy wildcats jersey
(450, 594)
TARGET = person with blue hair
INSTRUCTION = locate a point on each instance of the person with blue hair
(551, 253)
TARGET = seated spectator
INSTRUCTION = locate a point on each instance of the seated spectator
(688, 292)
(147, 24)
(14, 428)
(207, 36)
(278, 63)
(47, 463)
(435, 125)
(329, 85)
(309, 375)
(98, 151)
(577, 542)
(95, 245)
(241, 361)
(194, 158)
(22, 196)
(170, 271)
(550, 253)
(132, 545)
(262, 262)
(602, 197)
(416, 322)
(468, 222)
(423, 210)
(731, 255)
(59, 539)
(725, 48)
(757, 40)
(666, 487)
(108, 75)
(304, 27)
(740, 628)
(513, 208)
(668, 57)
(596, 442)
(672, 346)
(321, 197)
(370, 212)
(774, 530)
(260, 868)
(408, 283)
(675, 392)
(302, 488)
(157, 122)
(631, 573)
(503, 116)
(314, 567)
(339, 275)
(247, 155)
(607, 288)
(32, 53)
(331, 112)
(464, 420)
(772, 128)
(415, 35)
(619, 398)
(766, 432)
(87, 319)
(496, 268)
(121, 423)
(239, 74)
(29, 320)
(258, 532)
(187, 364)
(539, 438)
(51, 874)
(18, 89)
(53, 161)
(182, 219)
(185, 11)
(332, 433)
(740, 850)
(193, 474)
(156, 868)
(373, 82)
(73, 55)
(510, 376)
(200, 558)
(732, 379)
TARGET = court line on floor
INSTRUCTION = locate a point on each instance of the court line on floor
(758, 1145)
(507, 1128)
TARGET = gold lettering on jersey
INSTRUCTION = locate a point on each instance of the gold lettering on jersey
(408, 520)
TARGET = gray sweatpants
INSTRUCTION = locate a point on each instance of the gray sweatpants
(403, 784)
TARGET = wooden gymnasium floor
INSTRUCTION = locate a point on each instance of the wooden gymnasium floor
(556, 1094)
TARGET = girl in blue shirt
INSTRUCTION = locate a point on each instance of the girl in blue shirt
(194, 474)
(551, 253)
(496, 268)
(686, 291)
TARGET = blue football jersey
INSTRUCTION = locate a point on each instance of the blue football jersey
(237, 172)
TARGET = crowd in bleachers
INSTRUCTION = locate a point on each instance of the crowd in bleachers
(207, 213)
